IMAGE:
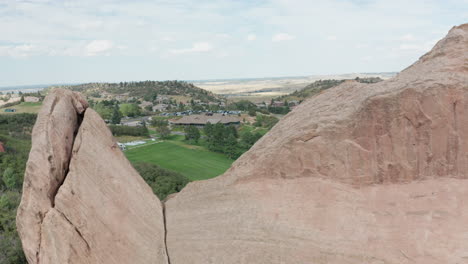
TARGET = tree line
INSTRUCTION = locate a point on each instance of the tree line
(15, 134)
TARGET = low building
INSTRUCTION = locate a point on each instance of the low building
(160, 107)
(202, 120)
(145, 104)
(162, 99)
(31, 99)
(133, 123)
(278, 104)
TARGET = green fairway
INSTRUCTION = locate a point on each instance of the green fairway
(23, 108)
(195, 162)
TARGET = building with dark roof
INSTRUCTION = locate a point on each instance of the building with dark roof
(202, 120)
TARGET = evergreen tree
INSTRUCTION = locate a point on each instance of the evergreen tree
(232, 131)
(163, 130)
(116, 116)
(192, 134)
(230, 147)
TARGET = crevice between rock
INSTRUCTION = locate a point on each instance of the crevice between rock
(165, 231)
(65, 174)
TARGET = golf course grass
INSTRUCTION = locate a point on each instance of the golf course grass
(23, 107)
(195, 162)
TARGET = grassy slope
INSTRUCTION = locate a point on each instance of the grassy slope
(195, 162)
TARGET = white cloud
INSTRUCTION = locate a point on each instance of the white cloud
(97, 47)
(407, 37)
(19, 51)
(222, 54)
(410, 47)
(419, 47)
(282, 37)
(223, 35)
(251, 37)
(332, 37)
(167, 38)
(362, 45)
(196, 48)
(89, 25)
(153, 49)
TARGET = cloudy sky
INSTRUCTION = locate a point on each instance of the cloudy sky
(69, 41)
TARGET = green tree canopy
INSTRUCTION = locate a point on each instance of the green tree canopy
(130, 110)
(192, 134)
(162, 181)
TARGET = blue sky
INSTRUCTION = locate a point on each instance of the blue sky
(68, 41)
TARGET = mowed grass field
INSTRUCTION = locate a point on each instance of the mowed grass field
(195, 162)
(23, 108)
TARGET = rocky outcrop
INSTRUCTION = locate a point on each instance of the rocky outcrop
(373, 173)
(52, 141)
(358, 174)
(82, 200)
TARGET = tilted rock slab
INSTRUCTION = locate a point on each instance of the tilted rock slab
(358, 174)
(362, 173)
(82, 200)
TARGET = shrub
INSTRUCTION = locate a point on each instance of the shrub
(129, 131)
(162, 181)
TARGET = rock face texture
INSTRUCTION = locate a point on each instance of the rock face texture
(371, 174)
(82, 200)
(358, 174)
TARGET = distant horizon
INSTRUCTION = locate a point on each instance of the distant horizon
(42, 86)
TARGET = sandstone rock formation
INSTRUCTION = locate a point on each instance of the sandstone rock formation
(82, 200)
(358, 174)
(374, 173)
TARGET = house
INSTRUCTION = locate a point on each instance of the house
(202, 120)
(31, 99)
(278, 103)
(121, 98)
(162, 99)
(293, 102)
(10, 110)
(261, 105)
(160, 107)
(145, 104)
(133, 123)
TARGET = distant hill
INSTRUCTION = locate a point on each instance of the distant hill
(146, 89)
(275, 86)
(321, 85)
